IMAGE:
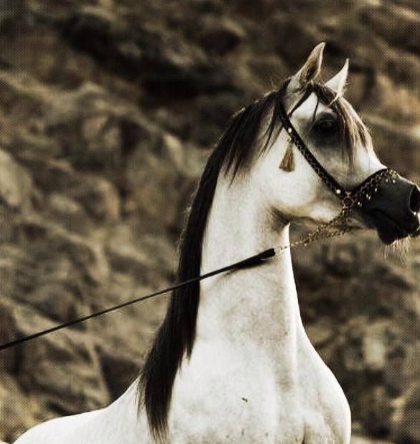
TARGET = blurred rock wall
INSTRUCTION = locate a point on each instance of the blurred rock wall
(108, 110)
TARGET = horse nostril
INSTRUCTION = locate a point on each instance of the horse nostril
(415, 199)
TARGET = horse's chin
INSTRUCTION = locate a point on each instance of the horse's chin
(391, 235)
(390, 231)
(388, 237)
(388, 228)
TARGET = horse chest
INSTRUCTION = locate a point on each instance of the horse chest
(220, 397)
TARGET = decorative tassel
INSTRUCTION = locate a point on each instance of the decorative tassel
(288, 162)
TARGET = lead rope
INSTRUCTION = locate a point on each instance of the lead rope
(246, 263)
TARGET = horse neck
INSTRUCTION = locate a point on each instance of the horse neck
(257, 306)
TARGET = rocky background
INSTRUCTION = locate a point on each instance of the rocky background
(108, 110)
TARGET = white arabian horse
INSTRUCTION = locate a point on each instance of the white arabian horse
(231, 362)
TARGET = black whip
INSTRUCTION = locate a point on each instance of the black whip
(249, 262)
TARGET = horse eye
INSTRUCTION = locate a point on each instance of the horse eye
(326, 127)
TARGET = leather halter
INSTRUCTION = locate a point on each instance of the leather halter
(357, 195)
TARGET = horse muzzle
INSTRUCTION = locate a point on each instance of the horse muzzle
(394, 210)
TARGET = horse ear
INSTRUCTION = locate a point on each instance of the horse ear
(338, 82)
(309, 71)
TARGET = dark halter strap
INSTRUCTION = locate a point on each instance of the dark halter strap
(349, 198)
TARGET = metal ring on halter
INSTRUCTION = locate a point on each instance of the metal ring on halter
(348, 201)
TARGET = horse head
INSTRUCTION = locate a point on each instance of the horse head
(335, 154)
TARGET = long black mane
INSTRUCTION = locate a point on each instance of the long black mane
(232, 155)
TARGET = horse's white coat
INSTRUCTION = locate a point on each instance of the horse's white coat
(253, 370)
(253, 376)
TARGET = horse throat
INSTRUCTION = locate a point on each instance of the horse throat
(256, 306)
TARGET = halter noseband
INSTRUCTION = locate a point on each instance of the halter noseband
(349, 198)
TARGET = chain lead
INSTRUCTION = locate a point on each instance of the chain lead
(339, 224)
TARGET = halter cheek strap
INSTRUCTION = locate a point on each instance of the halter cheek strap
(349, 198)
